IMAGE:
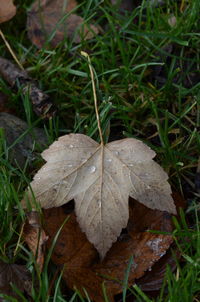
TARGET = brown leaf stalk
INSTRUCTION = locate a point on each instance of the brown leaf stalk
(85, 54)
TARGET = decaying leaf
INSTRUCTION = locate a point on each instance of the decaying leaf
(17, 275)
(7, 10)
(35, 237)
(83, 268)
(153, 279)
(52, 17)
(26, 149)
(100, 179)
(19, 79)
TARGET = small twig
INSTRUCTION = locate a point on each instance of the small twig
(10, 50)
(94, 94)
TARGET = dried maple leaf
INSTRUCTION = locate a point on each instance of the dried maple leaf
(7, 10)
(100, 178)
(51, 16)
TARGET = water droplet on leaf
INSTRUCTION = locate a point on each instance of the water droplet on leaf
(99, 203)
(92, 169)
(64, 182)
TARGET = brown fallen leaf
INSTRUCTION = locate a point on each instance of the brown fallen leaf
(17, 78)
(25, 150)
(100, 179)
(83, 268)
(50, 17)
(35, 237)
(153, 279)
(7, 10)
(17, 275)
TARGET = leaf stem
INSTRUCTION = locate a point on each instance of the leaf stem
(85, 54)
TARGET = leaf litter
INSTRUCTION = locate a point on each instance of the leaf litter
(26, 149)
(153, 244)
(19, 79)
(83, 268)
(100, 179)
(53, 19)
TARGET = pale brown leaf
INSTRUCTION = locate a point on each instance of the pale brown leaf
(7, 10)
(100, 179)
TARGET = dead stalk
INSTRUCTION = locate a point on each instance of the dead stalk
(85, 54)
(11, 51)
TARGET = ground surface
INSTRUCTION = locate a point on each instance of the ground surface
(146, 61)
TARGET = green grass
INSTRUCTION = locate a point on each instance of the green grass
(132, 103)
